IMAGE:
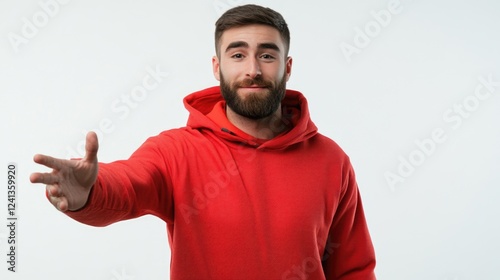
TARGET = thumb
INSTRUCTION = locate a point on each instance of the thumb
(91, 147)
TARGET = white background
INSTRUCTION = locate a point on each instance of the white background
(441, 222)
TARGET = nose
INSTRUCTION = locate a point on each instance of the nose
(253, 68)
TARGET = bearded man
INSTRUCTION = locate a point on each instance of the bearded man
(248, 189)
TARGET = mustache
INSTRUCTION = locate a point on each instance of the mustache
(254, 82)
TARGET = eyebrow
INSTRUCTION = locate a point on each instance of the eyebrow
(242, 44)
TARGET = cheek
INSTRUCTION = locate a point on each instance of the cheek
(274, 70)
(230, 73)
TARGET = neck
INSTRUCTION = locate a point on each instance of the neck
(265, 128)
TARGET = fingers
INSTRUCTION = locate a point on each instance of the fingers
(53, 191)
(91, 147)
(47, 178)
(56, 198)
(64, 169)
(48, 161)
(44, 178)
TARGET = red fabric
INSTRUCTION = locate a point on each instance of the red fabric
(288, 208)
(218, 115)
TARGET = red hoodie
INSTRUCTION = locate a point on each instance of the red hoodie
(238, 207)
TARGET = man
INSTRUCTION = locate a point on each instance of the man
(248, 189)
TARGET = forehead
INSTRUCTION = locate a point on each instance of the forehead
(252, 34)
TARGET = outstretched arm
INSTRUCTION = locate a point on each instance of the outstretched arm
(104, 193)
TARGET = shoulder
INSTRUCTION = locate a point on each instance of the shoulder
(328, 146)
(174, 137)
(182, 140)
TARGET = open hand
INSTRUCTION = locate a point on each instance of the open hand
(70, 182)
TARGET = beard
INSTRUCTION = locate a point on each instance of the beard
(255, 105)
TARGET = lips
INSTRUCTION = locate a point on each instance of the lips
(254, 87)
(252, 83)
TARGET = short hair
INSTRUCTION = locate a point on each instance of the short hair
(251, 14)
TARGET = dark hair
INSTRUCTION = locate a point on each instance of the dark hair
(251, 14)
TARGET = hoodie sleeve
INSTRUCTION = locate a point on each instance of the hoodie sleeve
(349, 253)
(130, 188)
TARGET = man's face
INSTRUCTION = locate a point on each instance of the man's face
(252, 70)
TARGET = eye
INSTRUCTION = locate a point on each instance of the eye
(237, 56)
(267, 56)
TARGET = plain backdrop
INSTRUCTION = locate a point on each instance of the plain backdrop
(409, 89)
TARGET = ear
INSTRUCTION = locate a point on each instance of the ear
(288, 65)
(216, 67)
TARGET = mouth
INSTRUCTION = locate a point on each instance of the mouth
(253, 91)
(254, 86)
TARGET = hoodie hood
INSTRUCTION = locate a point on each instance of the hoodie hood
(200, 104)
